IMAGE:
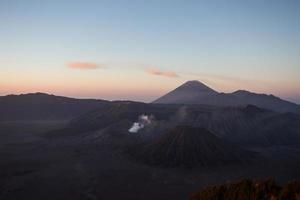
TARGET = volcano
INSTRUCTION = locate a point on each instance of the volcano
(189, 146)
(195, 92)
(190, 92)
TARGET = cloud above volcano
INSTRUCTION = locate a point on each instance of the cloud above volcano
(158, 72)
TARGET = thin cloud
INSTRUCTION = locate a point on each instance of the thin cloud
(158, 72)
(84, 65)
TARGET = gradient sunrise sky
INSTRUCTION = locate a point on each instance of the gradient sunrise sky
(139, 50)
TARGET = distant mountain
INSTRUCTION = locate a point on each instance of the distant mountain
(189, 92)
(41, 106)
(189, 146)
(266, 101)
(195, 92)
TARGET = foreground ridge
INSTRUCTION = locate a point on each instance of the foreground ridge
(247, 189)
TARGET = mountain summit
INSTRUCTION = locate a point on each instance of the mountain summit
(195, 86)
(195, 92)
(190, 92)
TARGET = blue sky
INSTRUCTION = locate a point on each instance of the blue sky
(229, 45)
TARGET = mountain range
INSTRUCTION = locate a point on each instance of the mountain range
(55, 147)
(195, 92)
(240, 123)
(41, 106)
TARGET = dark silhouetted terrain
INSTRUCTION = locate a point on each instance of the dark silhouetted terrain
(250, 190)
(40, 106)
(189, 146)
(248, 125)
(62, 148)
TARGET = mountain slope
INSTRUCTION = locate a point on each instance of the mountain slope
(195, 92)
(125, 112)
(189, 92)
(40, 106)
(189, 146)
(248, 125)
(266, 101)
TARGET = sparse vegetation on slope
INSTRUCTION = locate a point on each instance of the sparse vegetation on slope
(250, 190)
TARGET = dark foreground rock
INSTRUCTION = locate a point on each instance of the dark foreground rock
(250, 190)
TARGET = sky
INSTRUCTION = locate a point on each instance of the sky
(139, 50)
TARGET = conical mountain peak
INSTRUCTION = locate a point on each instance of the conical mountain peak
(189, 92)
(195, 85)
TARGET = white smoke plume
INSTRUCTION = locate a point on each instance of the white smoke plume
(143, 120)
(136, 127)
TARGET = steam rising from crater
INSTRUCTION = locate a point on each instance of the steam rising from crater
(143, 120)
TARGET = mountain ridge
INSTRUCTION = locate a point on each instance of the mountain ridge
(42, 106)
(195, 92)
